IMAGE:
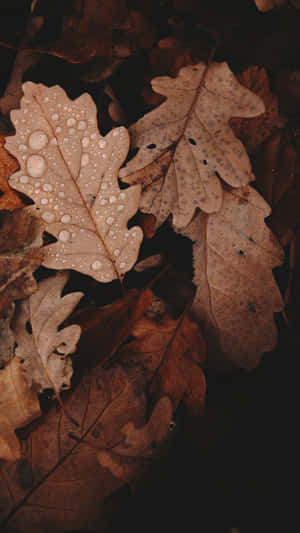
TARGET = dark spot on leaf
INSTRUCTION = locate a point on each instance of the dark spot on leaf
(64, 386)
(1, 193)
(22, 361)
(241, 252)
(1, 367)
(251, 307)
(204, 162)
(192, 141)
(151, 146)
(28, 327)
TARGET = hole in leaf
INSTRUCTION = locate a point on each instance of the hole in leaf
(48, 239)
(22, 361)
(1, 367)
(241, 252)
(1, 193)
(204, 162)
(251, 307)
(192, 141)
(28, 327)
(151, 146)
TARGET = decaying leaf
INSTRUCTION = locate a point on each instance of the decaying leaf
(266, 5)
(71, 173)
(234, 253)
(19, 405)
(43, 347)
(8, 197)
(138, 443)
(186, 143)
(7, 339)
(175, 348)
(20, 255)
(59, 468)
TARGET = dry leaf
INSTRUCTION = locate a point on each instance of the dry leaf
(234, 253)
(253, 132)
(186, 143)
(7, 339)
(20, 255)
(8, 197)
(71, 173)
(144, 442)
(19, 405)
(266, 5)
(175, 348)
(43, 347)
(45, 491)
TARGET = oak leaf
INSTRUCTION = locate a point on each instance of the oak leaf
(43, 348)
(19, 405)
(7, 339)
(186, 143)
(71, 173)
(59, 468)
(266, 5)
(234, 253)
(8, 197)
(20, 255)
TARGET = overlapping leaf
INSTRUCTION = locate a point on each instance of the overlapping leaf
(71, 173)
(186, 143)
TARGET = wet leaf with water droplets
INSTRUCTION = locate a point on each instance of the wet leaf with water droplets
(186, 143)
(71, 173)
(41, 346)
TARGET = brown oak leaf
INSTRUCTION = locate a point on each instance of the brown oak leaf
(8, 198)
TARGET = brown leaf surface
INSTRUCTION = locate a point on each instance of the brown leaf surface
(57, 472)
(7, 338)
(71, 173)
(8, 198)
(254, 132)
(20, 255)
(234, 254)
(19, 405)
(191, 131)
(45, 348)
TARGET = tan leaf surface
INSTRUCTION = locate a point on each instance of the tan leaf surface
(44, 348)
(186, 143)
(59, 469)
(8, 199)
(71, 173)
(20, 255)
(19, 405)
(234, 253)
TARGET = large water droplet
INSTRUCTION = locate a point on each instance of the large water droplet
(85, 159)
(65, 219)
(36, 166)
(47, 216)
(38, 140)
(64, 235)
(96, 265)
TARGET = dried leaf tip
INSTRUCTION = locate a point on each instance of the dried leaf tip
(71, 173)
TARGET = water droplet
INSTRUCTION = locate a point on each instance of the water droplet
(85, 141)
(81, 125)
(122, 195)
(58, 129)
(65, 219)
(120, 207)
(72, 131)
(66, 140)
(116, 132)
(53, 141)
(122, 265)
(46, 99)
(47, 187)
(102, 143)
(96, 265)
(104, 156)
(44, 201)
(85, 159)
(36, 166)
(55, 116)
(93, 136)
(109, 221)
(24, 179)
(23, 147)
(38, 140)
(61, 194)
(104, 186)
(64, 235)
(103, 201)
(47, 216)
(71, 122)
(112, 199)
(116, 252)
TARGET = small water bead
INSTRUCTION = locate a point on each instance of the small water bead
(104, 156)
(24, 179)
(64, 235)
(71, 122)
(85, 159)
(44, 201)
(93, 136)
(109, 221)
(122, 195)
(112, 199)
(46, 99)
(65, 219)
(77, 116)
(38, 140)
(116, 252)
(61, 194)
(37, 184)
(81, 125)
(116, 132)
(96, 265)
(104, 186)
(47, 216)
(122, 265)
(120, 207)
(36, 166)
(102, 143)
(58, 129)
(103, 201)
(72, 131)
(85, 141)
(55, 116)
(53, 141)
(23, 147)
(47, 187)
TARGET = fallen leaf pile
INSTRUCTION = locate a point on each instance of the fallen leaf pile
(133, 259)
